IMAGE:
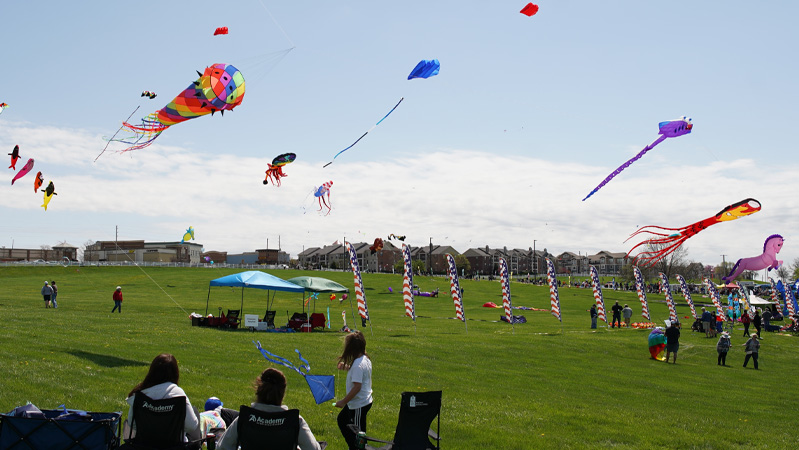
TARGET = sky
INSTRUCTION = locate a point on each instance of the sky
(526, 117)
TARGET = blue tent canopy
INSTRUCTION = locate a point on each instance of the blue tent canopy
(253, 279)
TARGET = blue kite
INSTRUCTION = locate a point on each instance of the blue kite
(425, 69)
(323, 387)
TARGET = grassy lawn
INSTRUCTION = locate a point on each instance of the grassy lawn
(542, 384)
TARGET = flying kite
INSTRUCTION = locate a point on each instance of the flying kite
(220, 30)
(37, 183)
(672, 128)
(320, 193)
(529, 10)
(425, 69)
(275, 170)
(377, 246)
(49, 192)
(219, 88)
(188, 235)
(367, 132)
(23, 171)
(394, 236)
(670, 242)
(323, 387)
(14, 157)
(767, 260)
(148, 94)
(2, 107)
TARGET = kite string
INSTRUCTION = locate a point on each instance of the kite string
(277, 24)
(151, 278)
(115, 134)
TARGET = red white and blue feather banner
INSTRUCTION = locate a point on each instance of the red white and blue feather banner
(554, 299)
(687, 294)
(600, 301)
(455, 288)
(407, 283)
(714, 295)
(669, 299)
(505, 280)
(775, 296)
(790, 300)
(363, 311)
(640, 288)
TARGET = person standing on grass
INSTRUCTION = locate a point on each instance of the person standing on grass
(706, 321)
(47, 293)
(672, 341)
(757, 322)
(117, 299)
(723, 346)
(593, 316)
(55, 293)
(752, 348)
(746, 320)
(358, 401)
(616, 315)
(628, 314)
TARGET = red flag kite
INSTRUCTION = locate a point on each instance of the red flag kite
(223, 30)
(529, 10)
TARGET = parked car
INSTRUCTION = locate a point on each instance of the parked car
(39, 261)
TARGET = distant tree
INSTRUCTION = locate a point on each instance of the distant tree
(333, 265)
(462, 263)
(722, 270)
(795, 268)
(783, 273)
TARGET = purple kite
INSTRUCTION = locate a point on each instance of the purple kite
(768, 260)
(672, 128)
(23, 171)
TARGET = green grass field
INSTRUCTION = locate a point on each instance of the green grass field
(542, 384)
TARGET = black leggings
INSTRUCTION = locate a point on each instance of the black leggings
(349, 416)
(754, 358)
(746, 330)
(723, 358)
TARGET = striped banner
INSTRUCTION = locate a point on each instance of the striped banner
(790, 300)
(747, 306)
(505, 281)
(407, 283)
(687, 294)
(455, 287)
(775, 296)
(600, 301)
(640, 288)
(554, 299)
(669, 298)
(714, 295)
(363, 311)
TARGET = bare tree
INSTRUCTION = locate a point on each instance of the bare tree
(783, 272)
(670, 264)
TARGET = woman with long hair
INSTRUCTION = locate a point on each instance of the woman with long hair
(356, 404)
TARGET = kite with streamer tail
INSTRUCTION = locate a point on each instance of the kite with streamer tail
(14, 157)
(407, 282)
(323, 387)
(360, 296)
(321, 192)
(219, 88)
(49, 192)
(367, 132)
(640, 288)
(554, 298)
(23, 171)
(669, 299)
(425, 69)
(600, 301)
(669, 129)
(767, 260)
(657, 343)
(188, 235)
(672, 238)
(687, 294)
(274, 171)
(714, 296)
(455, 287)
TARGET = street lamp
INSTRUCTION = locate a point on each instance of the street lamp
(535, 260)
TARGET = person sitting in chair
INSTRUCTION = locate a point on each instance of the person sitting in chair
(270, 388)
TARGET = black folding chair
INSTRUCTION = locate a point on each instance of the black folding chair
(258, 430)
(158, 424)
(269, 318)
(416, 415)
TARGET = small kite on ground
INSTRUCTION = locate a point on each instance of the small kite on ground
(529, 10)
(220, 30)
(148, 94)
(377, 246)
(274, 171)
(323, 387)
(767, 260)
(14, 157)
(49, 192)
(321, 192)
(23, 171)
(188, 235)
(425, 69)
(670, 129)
(672, 241)
(37, 183)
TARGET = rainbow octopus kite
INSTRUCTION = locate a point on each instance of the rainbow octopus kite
(274, 171)
(672, 128)
(671, 242)
(320, 193)
(219, 88)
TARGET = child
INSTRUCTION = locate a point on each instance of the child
(723, 347)
(356, 404)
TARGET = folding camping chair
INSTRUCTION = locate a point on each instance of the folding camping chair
(159, 424)
(232, 319)
(269, 318)
(280, 429)
(60, 429)
(413, 432)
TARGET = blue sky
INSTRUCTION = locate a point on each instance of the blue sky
(527, 115)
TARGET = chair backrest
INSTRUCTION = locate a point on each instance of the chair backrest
(268, 430)
(158, 423)
(269, 318)
(417, 411)
(233, 314)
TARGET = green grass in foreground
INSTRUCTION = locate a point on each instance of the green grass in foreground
(536, 385)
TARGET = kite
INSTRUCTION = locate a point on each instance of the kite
(2, 107)
(14, 157)
(220, 30)
(672, 128)
(49, 192)
(657, 342)
(189, 235)
(407, 283)
(274, 171)
(219, 88)
(554, 299)
(377, 246)
(148, 94)
(767, 260)
(367, 132)
(394, 236)
(529, 10)
(37, 183)
(320, 193)
(323, 387)
(669, 298)
(425, 69)
(640, 288)
(671, 242)
(23, 171)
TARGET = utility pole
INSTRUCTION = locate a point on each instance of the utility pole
(535, 260)
(430, 258)
(723, 266)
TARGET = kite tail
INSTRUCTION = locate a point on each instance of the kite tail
(142, 135)
(367, 132)
(649, 259)
(626, 165)
(644, 230)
